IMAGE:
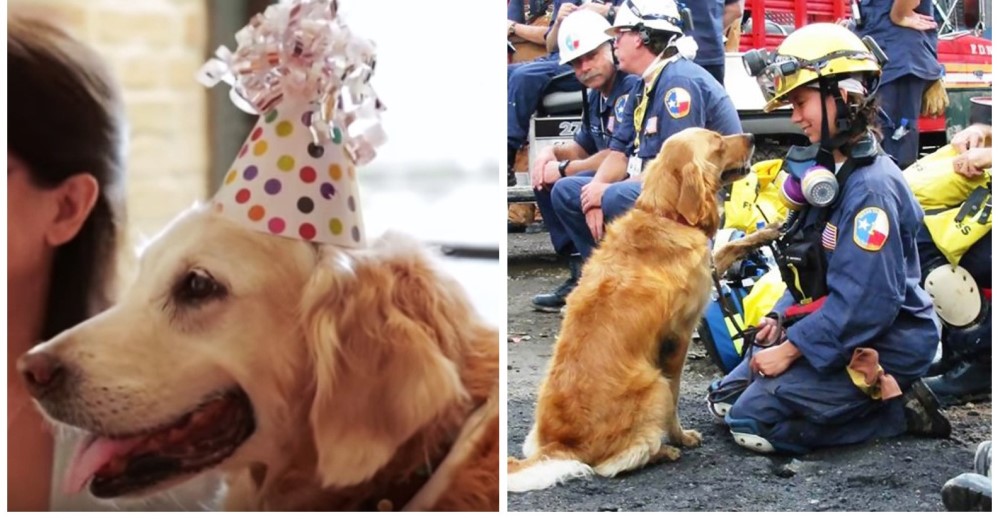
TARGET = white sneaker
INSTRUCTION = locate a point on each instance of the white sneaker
(753, 442)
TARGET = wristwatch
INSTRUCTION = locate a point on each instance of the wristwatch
(562, 167)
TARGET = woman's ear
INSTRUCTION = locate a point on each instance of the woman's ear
(74, 200)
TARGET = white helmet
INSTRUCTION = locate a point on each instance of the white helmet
(657, 15)
(580, 33)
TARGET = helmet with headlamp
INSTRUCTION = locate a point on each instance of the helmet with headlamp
(821, 51)
(830, 58)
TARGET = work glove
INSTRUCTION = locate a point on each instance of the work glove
(935, 99)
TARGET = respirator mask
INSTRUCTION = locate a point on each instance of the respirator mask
(809, 181)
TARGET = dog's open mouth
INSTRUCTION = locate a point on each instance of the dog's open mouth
(734, 174)
(124, 464)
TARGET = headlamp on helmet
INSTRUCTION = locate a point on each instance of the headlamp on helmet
(813, 52)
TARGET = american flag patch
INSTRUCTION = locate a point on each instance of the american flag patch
(830, 236)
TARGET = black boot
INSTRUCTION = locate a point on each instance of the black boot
(511, 157)
(942, 364)
(554, 301)
(968, 380)
(923, 413)
(968, 492)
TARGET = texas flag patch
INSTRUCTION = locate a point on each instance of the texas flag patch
(571, 42)
(871, 228)
(678, 102)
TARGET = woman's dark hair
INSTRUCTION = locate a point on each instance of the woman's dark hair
(65, 116)
(866, 113)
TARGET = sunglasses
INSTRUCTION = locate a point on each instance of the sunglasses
(620, 33)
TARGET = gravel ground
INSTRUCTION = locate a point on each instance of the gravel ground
(901, 474)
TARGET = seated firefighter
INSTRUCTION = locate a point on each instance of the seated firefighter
(854, 330)
(674, 94)
(956, 253)
(585, 45)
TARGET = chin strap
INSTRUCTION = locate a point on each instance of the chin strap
(842, 118)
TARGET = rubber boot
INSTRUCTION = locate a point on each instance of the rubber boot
(945, 359)
(923, 413)
(983, 463)
(556, 300)
(968, 381)
(969, 377)
(968, 492)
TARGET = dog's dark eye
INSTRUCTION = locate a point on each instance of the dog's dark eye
(197, 286)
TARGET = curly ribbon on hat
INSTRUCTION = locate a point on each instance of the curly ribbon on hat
(301, 50)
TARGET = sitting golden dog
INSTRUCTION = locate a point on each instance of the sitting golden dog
(612, 386)
(316, 378)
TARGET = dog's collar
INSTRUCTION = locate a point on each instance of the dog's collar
(435, 481)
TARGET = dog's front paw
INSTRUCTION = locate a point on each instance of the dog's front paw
(691, 438)
(666, 452)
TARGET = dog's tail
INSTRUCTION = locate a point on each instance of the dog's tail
(543, 470)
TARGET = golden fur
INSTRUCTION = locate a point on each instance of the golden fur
(361, 366)
(727, 254)
(610, 394)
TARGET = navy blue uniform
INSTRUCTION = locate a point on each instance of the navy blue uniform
(684, 95)
(594, 135)
(874, 301)
(912, 66)
(527, 82)
(707, 18)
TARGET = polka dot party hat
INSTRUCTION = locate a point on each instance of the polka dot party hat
(285, 184)
(307, 76)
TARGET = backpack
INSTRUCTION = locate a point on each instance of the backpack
(739, 294)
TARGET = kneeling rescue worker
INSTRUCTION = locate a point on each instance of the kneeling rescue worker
(854, 329)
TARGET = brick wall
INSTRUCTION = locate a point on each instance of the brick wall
(155, 48)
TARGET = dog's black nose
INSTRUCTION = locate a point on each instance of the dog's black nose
(41, 371)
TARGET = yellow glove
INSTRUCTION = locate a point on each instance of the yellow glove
(935, 99)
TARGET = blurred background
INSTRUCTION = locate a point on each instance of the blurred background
(438, 177)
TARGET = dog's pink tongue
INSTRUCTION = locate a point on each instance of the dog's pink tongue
(91, 455)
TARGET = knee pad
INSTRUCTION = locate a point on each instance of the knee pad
(957, 299)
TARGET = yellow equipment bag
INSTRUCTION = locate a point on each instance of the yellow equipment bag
(756, 197)
(955, 230)
(765, 293)
(935, 183)
(958, 210)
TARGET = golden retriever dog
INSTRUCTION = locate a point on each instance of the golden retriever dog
(315, 378)
(610, 393)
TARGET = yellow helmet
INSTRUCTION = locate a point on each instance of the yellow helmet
(812, 52)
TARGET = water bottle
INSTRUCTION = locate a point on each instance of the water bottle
(901, 130)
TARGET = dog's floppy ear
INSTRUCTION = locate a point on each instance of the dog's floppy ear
(691, 201)
(375, 327)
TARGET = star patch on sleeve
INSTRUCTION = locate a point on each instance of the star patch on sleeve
(678, 102)
(620, 107)
(871, 228)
